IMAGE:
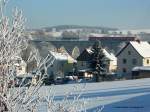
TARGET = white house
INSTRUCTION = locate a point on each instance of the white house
(134, 53)
(63, 64)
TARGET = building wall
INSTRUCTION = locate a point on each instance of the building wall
(132, 59)
(112, 67)
(56, 69)
(146, 62)
(60, 68)
(68, 67)
(141, 74)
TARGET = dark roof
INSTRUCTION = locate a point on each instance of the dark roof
(85, 56)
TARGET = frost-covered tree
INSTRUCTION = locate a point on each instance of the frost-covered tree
(12, 43)
(98, 62)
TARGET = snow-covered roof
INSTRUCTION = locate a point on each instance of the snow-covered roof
(58, 56)
(141, 68)
(62, 56)
(142, 48)
(110, 56)
(89, 50)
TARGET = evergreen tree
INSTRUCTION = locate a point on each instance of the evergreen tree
(98, 62)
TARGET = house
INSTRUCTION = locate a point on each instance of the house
(20, 66)
(85, 58)
(62, 65)
(62, 62)
(134, 53)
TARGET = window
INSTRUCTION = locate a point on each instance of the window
(124, 61)
(124, 70)
(134, 61)
(129, 52)
(147, 61)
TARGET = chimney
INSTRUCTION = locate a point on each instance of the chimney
(137, 39)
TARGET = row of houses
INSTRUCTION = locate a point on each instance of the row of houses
(64, 63)
(132, 61)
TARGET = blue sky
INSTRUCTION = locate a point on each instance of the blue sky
(124, 14)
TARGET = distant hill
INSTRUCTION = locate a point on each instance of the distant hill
(67, 31)
(64, 27)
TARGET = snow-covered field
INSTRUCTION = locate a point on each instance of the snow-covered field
(116, 96)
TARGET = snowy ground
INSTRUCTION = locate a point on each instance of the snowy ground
(116, 96)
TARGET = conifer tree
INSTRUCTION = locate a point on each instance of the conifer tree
(98, 62)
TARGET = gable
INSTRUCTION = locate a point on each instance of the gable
(84, 56)
(129, 49)
(141, 48)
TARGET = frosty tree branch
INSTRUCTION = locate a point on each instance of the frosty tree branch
(12, 42)
(24, 99)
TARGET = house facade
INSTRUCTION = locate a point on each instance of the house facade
(134, 53)
(86, 56)
(83, 61)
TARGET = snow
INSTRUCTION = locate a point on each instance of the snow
(109, 55)
(62, 56)
(58, 56)
(147, 68)
(89, 50)
(141, 47)
(116, 96)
